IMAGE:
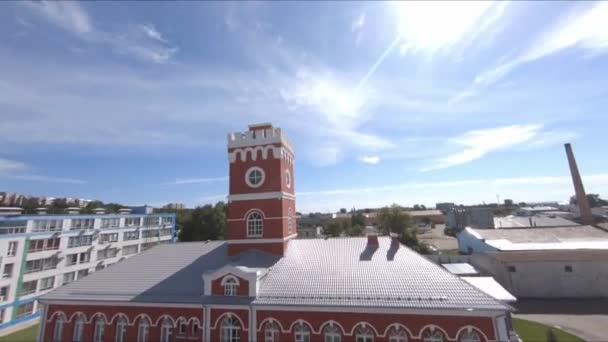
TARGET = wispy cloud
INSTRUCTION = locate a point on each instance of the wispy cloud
(585, 28)
(370, 159)
(7, 165)
(478, 143)
(181, 181)
(17, 170)
(145, 42)
(41, 178)
(357, 28)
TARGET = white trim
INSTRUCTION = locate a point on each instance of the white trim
(231, 271)
(432, 328)
(253, 240)
(265, 218)
(252, 169)
(408, 332)
(43, 324)
(287, 178)
(261, 196)
(229, 314)
(381, 310)
(364, 325)
(471, 328)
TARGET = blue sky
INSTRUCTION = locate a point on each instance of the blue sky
(384, 102)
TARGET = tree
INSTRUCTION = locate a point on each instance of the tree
(203, 223)
(416, 207)
(393, 220)
(332, 228)
(342, 210)
(30, 205)
(355, 230)
(593, 199)
(357, 219)
(508, 202)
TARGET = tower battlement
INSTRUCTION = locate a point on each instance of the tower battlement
(260, 134)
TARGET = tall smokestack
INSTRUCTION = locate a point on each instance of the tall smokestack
(581, 197)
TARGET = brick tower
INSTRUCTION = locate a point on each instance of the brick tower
(261, 201)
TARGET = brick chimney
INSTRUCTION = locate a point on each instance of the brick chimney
(581, 197)
(372, 240)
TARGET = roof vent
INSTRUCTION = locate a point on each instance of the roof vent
(72, 211)
(99, 211)
(124, 211)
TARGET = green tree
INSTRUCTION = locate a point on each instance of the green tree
(343, 210)
(394, 220)
(593, 199)
(30, 205)
(332, 228)
(357, 219)
(203, 223)
(355, 230)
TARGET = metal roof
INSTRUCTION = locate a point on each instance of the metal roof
(544, 235)
(491, 287)
(539, 220)
(346, 272)
(460, 269)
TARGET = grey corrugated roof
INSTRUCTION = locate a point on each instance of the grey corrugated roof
(540, 220)
(343, 271)
(544, 235)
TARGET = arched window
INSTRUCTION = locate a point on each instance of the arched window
(230, 330)
(58, 332)
(432, 335)
(182, 326)
(196, 328)
(230, 286)
(397, 335)
(100, 325)
(290, 221)
(302, 333)
(143, 330)
(271, 332)
(121, 330)
(166, 330)
(255, 225)
(364, 334)
(469, 336)
(332, 333)
(78, 329)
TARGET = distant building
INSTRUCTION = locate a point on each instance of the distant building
(460, 218)
(305, 232)
(445, 206)
(43, 252)
(175, 206)
(427, 216)
(529, 211)
(536, 220)
(562, 262)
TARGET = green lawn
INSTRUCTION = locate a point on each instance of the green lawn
(536, 332)
(26, 335)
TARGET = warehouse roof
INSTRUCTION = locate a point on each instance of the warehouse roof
(547, 234)
(539, 220)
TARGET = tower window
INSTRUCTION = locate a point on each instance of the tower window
(290, 221)
(255, 225)
(287, 178)
(255, 177)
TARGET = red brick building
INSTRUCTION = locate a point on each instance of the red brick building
(263, 285)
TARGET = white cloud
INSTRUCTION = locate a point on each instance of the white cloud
(145, 42)
(431, 26)
(7, 165)
(357, 28)
(181, 181)
(370, 159)
(478, 143)
(151, 32)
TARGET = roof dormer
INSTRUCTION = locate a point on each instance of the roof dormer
(232, 280)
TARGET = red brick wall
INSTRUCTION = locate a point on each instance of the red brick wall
(110, 311)
(273, 170)
(242, 289)
(277, 248)
(451, 324)
(276, 212)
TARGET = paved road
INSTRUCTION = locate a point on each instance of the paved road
(436, 238)
(587, 319)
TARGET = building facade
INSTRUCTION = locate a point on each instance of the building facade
(261, 284)
(43, 252)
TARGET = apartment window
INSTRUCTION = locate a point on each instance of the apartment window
(148, 245)
(8, 271)
(110, 222)
(28, 287)
(568, 268)
(107, 238)
(511, 269)
(78, 241)
(130, 236)
(12, 227)
(165, 232)
(4, 293)
(149, 233)
(25, 309)
(1, 316)
(88, 223)
(151, 221)
(128, 250)
(71, 259)
(107, 253)
(69, 277)
(133, 221)
(47, 283)
(47, 225)
(12, 248)
(41, 264)
(167, 220)
(84, 257)
(83, 273)
(43, 245)
(99, 267)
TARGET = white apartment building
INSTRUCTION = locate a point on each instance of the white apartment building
(42, 252)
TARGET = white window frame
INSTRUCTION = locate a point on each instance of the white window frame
(195, 326)
(290, 220)
(230, 330)
(100, 325)
(255, 224)
(166, 330)
(397, 335)
(271, 332)
(44, 286)
(58, 329)
(364, 334)
(288, 178)
(332, 333)
(262, 177)
(432, 335)
(12, 248)
(121, 330)
(78, 329)
(470, 336)
(143, 330)
(301, 333)
(231, 285)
